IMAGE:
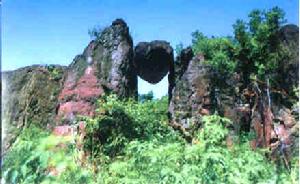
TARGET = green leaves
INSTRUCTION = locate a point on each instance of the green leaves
(260, 52)
(122, 121)
(218, 52)
(155, 154)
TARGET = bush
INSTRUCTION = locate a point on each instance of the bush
(218, 52)
(207, 161)
(151, 153)
(35, 153)
(122, 121)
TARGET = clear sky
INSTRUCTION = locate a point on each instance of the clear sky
(55, 31)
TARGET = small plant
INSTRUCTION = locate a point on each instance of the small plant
(55, 73)
(95, 32)
(121, 121)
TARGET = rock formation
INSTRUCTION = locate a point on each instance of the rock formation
(153, 60)
(55, 95)
(197, 93)
(105, 66)
(29, 95)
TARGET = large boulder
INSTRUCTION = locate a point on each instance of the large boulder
(29, 96)
(153, 60)
(112, 56)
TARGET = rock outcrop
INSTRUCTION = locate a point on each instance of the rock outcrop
(29, 95)
(191, 95)
(153, 60)
(197, 93)
(105, 66)
(289, 71)
(52, 95)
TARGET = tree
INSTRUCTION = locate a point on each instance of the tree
(217, 51)
(146, 97)
(259, 50)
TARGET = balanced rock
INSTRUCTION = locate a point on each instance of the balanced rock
(152, 60)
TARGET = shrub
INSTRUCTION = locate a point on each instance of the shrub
(122, 121)
(218, 52)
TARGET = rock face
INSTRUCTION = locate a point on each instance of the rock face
(191, 95)
(153, 60)
(113, 59)
(29, 96)
(52, 95)
(105, 66)
(289, 37)
(196, 92)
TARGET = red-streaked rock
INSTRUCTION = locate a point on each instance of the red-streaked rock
(63, 130)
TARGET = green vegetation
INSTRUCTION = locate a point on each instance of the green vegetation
(130, 142)
(55, 73)
(95, 32)
(217, 51)
(255, 49)
(36, 156)
(146, 97)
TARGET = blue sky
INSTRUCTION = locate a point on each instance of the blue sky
(55, 31)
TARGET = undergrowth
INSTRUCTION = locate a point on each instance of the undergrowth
(131, 142)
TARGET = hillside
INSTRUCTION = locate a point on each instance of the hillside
(230, 116)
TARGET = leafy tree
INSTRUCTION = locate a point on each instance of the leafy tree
(178, 48)
(259, 50)
(146, 97)
(218, 52)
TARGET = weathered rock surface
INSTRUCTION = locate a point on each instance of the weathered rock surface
(289, 71)
(197, 93)
(29, 96)
(191, 96)
(105, 66)
(153, 60)
(52, 95)
(113, 59)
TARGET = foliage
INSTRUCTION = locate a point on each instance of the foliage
(217, 51)
(146, 97)
(36, 153)
(178, 48)
(21, 164)
(122, 121)
(255, 49)
(152, 153)
(259, 50)
(207, 161)
(95, 32)
(55, 73)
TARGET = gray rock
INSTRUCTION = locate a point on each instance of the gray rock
(29, 95)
